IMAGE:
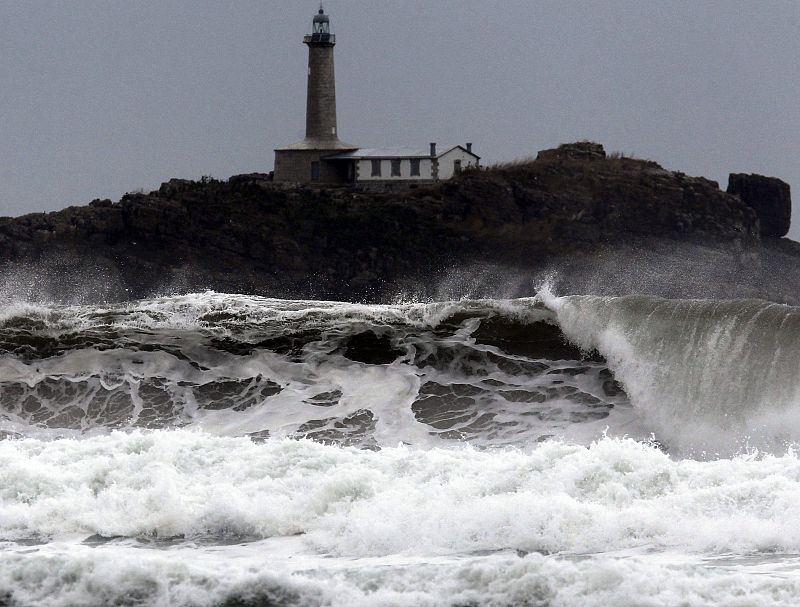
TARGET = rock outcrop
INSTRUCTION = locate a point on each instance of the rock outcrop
(250, 235)
(582, 150)
(769, 197)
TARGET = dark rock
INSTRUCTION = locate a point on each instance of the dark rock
(173, 187)
(582, 150)
(250, 235)
(769, 197)
(250, 178)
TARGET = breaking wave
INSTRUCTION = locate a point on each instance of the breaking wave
(722, 376)
(490, 373)
(215, 449)
(701, 375)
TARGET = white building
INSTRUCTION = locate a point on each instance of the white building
(384, 166)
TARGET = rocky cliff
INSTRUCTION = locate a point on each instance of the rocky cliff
(769, 197)
(250, 235)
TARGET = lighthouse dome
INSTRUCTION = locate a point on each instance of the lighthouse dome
(321, 17)
(322, 24)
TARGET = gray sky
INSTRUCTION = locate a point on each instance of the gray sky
(102, 97)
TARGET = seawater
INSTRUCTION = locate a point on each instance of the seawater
(216, 449)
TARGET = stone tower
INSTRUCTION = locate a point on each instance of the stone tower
(303, 162)
(321, 96)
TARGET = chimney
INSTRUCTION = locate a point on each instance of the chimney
(469, 148)
(433, 150)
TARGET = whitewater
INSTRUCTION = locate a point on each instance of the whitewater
(227, 450)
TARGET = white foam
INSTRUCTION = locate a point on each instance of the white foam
(614, 494)
(67, 574)
(223, 313)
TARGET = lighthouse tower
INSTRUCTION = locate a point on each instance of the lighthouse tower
(303, 162)
(321, 98)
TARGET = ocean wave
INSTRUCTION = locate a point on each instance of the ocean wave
(615, 494)
(489, 372)
(708, 378)
(118, 576)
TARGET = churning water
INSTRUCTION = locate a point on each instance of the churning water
(227, 450)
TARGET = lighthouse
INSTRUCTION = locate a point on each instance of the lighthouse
(321, 93)
(322, 158)
(303, 162)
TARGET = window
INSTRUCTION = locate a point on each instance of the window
(415, 167)
(457, 165)
(315, 171)
(376, 168)
(396, 167)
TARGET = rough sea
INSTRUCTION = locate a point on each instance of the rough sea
(226, 450)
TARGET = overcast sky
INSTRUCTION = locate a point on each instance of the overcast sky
(102, 97)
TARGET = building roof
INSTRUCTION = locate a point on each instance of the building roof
(319, 144)
(382, 153)
(450, 148)
(394, 153)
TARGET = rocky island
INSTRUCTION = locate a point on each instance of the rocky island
(568, 208)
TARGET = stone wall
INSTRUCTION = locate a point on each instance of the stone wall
(295, 166)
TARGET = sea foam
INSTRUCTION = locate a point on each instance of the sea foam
(555, 451)
(614, 494)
